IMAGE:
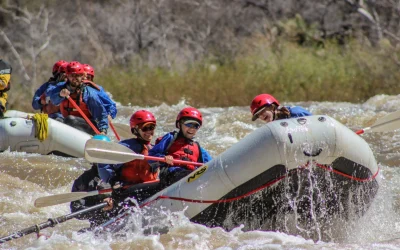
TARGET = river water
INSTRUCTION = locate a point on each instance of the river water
(26, 177)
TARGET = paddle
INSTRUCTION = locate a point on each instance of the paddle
(83, 114)
(114, 153)
(57, 199)
(50, 223)
(123, 130)
(387, 123)
(113, 129)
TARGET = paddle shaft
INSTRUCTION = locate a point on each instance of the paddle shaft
(50, 223)
(83, 115)
(113, 129)
(114, 153)
(153, 158)
(361, 131)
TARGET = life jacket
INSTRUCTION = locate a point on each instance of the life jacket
(66, 107)
(49, 107)
(184, 149)
(138, 171)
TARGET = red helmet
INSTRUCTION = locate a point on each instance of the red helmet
(260, 101)
(75, 67)
(88, 69)
(141, 116)
(190, 113)
(63, 68)
(57, 65)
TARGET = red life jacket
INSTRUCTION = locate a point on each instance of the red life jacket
(66, 107)
(138, 171)
(49, 108)
(186, 150)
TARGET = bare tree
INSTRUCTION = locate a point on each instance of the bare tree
(33, 40)
(171, 33)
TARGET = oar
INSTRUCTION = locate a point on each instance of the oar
(50, 223)
(113, 153)
(83, 114)
(387, 123)
(57, 199)
(123, 130)
(113, 129)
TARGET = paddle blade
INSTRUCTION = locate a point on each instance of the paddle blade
(109, 152)
(123, 130)
(62, 198)
(387, 123)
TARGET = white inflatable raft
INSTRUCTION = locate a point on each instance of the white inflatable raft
(313, 167)
(18, 134)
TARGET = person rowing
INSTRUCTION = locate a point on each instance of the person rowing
(122, 177)
(180, 146)
(87, 97)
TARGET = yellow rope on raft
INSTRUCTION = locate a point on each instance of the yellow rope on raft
(41, 126)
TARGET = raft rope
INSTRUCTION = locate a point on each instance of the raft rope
(217, 201)
(41, 126)
(322, 166)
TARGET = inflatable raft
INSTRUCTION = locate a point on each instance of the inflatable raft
(17, 133)
(312, 169)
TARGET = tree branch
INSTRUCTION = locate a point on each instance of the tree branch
(14, 51)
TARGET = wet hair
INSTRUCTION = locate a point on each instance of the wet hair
(283, 113)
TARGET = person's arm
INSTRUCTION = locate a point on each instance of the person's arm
(109, 104)
(96, 108)
(54, 94)
(159, 151)
(113, 110)
(36, 101)
(298, 111)
(205, 155)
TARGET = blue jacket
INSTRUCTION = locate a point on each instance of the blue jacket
(108, 171)
(109, 104)
(298, 111)
(92, 99)
(36, 105)
(159, 150)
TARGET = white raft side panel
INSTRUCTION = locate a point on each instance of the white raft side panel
(66, 139)
(16, 113)
(354, 147)
(257, 152)
(297, 137)
(18, 134)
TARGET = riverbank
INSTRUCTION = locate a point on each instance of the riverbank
(318, 72)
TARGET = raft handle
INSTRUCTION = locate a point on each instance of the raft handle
(312, 153)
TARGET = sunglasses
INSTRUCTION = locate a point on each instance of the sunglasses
(192, 125)
(148, 128)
